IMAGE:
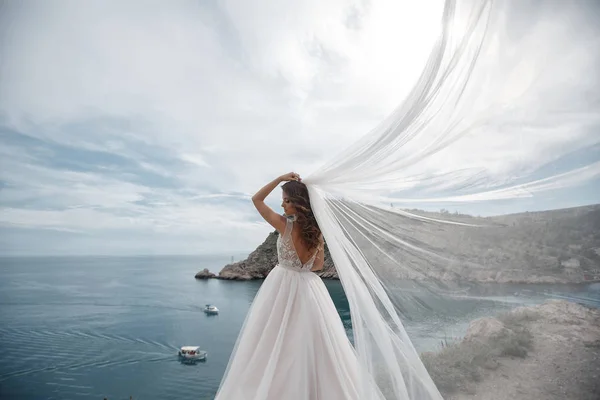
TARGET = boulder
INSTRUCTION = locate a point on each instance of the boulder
(204, 274)
(485, 328)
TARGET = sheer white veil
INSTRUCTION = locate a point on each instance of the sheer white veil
(507, 100)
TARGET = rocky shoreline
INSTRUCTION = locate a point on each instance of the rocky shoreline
(546, 352)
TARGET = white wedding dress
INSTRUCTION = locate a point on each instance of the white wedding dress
(492, 96)
(293, 345)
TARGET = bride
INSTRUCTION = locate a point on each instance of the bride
(293, 344)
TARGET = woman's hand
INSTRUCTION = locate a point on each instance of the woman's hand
(276, 220)
(292, 176)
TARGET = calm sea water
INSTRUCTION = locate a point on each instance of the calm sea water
(95, 327)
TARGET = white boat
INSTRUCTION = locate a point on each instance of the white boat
(192, 353)
(210, 309)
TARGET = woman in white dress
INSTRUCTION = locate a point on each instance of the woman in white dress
(293, 345)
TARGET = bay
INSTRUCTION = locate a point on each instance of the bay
(110, 327)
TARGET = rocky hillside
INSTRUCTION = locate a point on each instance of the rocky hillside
(546, 352)
(559, 246)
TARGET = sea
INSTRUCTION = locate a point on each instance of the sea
(110, 327)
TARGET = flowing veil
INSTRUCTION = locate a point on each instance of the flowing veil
(501, 121)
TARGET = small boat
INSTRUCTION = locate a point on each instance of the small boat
(210, 309)
(192, 353)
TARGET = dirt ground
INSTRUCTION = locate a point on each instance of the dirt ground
(563, 362)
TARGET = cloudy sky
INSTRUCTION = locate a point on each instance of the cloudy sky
(143, 127)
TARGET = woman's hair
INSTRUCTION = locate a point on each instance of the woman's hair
(298, 195)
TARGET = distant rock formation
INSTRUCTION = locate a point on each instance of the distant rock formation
(204, 274)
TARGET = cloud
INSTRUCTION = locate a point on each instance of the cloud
(143, 127)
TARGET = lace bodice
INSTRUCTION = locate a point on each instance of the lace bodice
(287, 254)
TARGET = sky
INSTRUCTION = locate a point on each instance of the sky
(143, 127)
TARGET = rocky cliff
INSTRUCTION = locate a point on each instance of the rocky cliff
(262, 260)
(559, 246)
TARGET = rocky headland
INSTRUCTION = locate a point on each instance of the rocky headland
(262, 260)
(558, 246)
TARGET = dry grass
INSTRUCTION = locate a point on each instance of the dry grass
(518, 316)
(458, 366)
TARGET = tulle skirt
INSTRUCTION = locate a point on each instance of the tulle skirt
(292, 346)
